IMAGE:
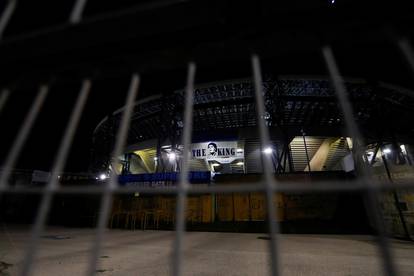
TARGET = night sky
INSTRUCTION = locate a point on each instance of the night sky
(219, 37)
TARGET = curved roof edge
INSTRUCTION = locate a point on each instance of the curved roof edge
(399, 89)
(147, 99)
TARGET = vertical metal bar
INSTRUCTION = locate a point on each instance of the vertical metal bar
(53, 184)
(183, 183)
(77, 11)
(371, 195)
(407, 51)
(280, 165)
(306, 151)
(270, 181)
(290, 158)
(22, 135)
(112, 184)
(285, 159)
(5, 93)
(6, 15)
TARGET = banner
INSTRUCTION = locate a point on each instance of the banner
(222, 152)
(162, 179)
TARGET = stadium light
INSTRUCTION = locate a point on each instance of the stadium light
(172, 156)
(268, 150)
(386, 151)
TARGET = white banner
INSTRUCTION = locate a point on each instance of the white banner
(222, 152)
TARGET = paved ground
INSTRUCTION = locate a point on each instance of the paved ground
(65, 252)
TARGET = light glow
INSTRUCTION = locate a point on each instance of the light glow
(386, 151)
(172, 156)
(240, 163)
(102, 176)
(268, 150)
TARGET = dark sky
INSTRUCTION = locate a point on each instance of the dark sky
(105, 97)
(218, 35)
(108, 94)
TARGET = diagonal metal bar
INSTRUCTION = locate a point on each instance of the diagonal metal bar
(77, 11)
(22, 135)
(371, 194)
(112, 184)
(183, 184)
(407, 51)
(6, 15)
(270, 181)
(5, 93)
(53, 184)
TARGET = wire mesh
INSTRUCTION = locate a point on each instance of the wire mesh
(269, 185)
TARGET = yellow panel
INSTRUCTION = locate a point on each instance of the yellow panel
(206, 209)
(258, 207)
(225, 207)
(193, 211)
(279, 203)
(147, 157)
(241, 207)
(118, 168)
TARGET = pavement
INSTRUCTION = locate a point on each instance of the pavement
(64, 252)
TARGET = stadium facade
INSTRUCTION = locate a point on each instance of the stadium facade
(308, 143)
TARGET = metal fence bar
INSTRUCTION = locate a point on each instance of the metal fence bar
(183, 184)
(371, 194)
(267, 166)
(77, 11)
(22, 135)
(293, 187)
(5, 93)
(407, 51)
(53, 184)
(6, 15)
(112, 184)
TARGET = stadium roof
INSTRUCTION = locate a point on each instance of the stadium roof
(292, 104)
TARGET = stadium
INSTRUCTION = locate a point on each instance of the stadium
(308, 143)
(202, 137)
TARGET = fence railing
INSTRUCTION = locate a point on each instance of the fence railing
(269, 185)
